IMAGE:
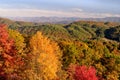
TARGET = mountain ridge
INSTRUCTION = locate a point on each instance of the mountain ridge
(62, 20)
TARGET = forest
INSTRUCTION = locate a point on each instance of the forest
(81, 50)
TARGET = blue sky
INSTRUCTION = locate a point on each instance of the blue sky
(60, 8)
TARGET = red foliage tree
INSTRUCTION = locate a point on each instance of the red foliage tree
(82, 73)
(9, 60)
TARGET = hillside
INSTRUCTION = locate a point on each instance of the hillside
(15, 24)
(78, 30)
(31, 51)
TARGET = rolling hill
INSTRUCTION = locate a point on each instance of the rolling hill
(77, 30)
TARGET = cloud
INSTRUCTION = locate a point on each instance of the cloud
(76, 12)
(33, 13)
(77, 9)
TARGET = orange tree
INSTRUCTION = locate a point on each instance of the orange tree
(10, 62)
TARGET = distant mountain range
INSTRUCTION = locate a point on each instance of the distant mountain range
(63, 20)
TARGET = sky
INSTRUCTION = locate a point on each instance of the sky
(60, 8)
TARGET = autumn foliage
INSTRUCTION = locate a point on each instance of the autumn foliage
(77, 51)
(9, 61)
(45, 58)
(84, 73)
(77, 72)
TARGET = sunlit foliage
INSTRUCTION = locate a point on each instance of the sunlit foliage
(45, 57)
(10, 62)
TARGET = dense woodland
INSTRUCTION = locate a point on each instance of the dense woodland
(82, 50)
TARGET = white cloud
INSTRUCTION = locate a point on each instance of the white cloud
(33, 12)
(40, 12)
(77, 9)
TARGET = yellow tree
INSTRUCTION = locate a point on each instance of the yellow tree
(18, 39)
(45, 57)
